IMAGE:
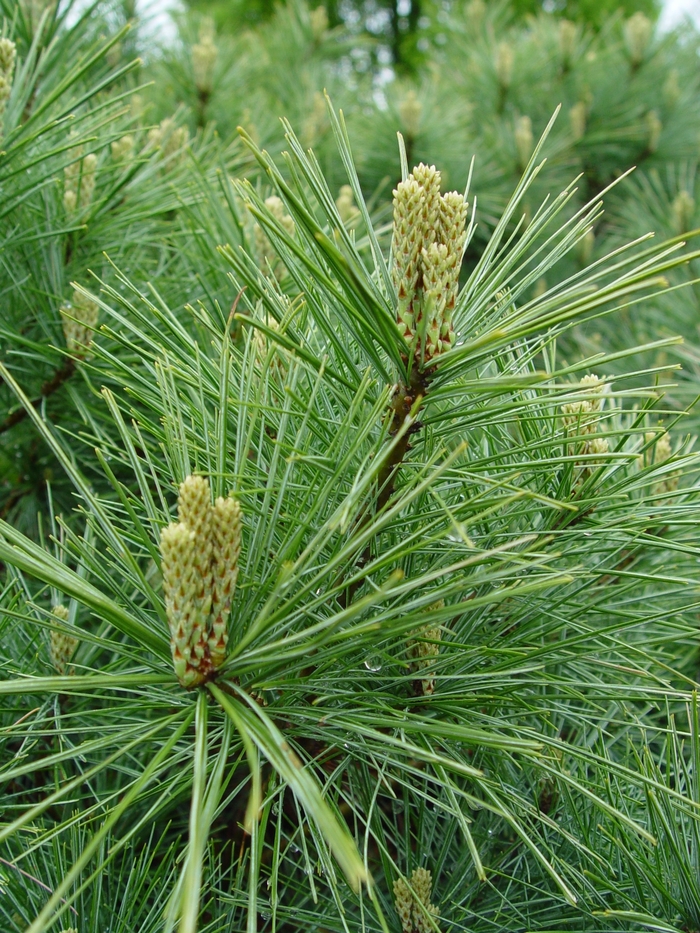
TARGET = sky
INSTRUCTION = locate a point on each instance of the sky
(675, 11)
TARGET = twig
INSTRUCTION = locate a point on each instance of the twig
(36, 881)
(402, 404)
(49, 387)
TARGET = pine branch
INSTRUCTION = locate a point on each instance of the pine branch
(52, 385)
(406, 403)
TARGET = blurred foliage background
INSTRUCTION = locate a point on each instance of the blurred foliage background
(465, 78)
(400, 24)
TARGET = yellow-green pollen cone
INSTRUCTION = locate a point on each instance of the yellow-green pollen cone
(416, 913)
(61, 645)
(8, 54)
(428, 241)
(200, 568)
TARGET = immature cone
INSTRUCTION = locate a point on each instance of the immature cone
(194, 511)
(422, 882)
(178, 546)
(168, 138)
(122, 149)
(581, 418)
(672, 89)
(276, 207)
(436, 288)
(204, 55)
(266, 253)
(453, 219)
(412, 906)
(71, 180)
(654, 128)
(659, 453)
(424, 652)
(406, 245)
(345, 202)
(475, 11)
(276, 363)
(582, 415)
(61, 645)
(524, 141)
(316, 122)
(87, 182)
(403, 901)
(226, 528)
(79, 321)
(411, 111)
(427, 246)
(638, 31)
(567, 42)
(584, 247)
(429, 179)
(318, 20)
(424, 648)
(200, 567)
(138, 106)
(7, 68)
(79, 180)
(662, 447)
(504, 64)
(682, 211)
(577, 120)
(596, 446)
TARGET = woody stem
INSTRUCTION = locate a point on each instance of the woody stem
(402, 404)
(48, 388)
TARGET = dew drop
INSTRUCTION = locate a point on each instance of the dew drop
(373, 662)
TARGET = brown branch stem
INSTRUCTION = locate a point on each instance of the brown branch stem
(407, 400)
(51, 385)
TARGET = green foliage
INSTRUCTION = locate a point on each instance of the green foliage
(400, 28)
(595, 13)
(463, 638)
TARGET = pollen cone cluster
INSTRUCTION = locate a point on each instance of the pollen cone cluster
(581, 419)
(424, 649)
(345, 202)
(79, 321)
(266, 252)
(427, 247)
(79, 179)
(61, 645)
(638, 32)
(204, 55)
(413, 903)
(659, 453)
(8, 54)
(169, 139)
(123, 149)
(200, 567)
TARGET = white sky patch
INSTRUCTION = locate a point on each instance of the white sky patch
(156, 18)
(675, 12)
